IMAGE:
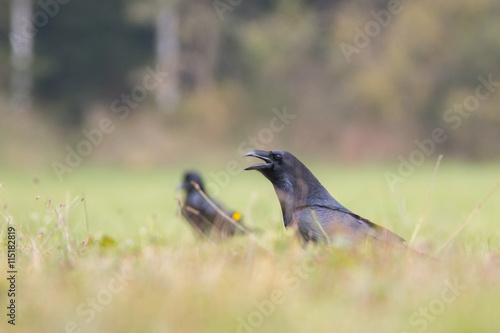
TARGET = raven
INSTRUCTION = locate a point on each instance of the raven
(205, 215)
(307, 205)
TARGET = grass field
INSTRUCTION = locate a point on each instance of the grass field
(122, 260)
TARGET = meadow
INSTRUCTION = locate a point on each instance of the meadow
(106, 251)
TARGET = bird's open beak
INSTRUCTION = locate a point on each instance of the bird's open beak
(263, 155)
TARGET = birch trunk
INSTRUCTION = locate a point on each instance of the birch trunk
(21, 39)
(167, 53)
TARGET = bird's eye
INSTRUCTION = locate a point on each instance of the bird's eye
(278, 157)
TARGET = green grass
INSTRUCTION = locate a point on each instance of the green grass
(128, 222)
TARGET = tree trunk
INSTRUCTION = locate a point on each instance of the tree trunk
(21, 39)
(167, 52)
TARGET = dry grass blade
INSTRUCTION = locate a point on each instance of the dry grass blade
(86, 217)
(426, 205)
(194, 211)
(467, 220)
(62, 217)
(315, 219)
(250, 235)
(220, 211)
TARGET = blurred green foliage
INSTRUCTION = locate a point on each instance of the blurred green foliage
(235, 66)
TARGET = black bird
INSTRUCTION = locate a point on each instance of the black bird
(307, 205)
(205, 215)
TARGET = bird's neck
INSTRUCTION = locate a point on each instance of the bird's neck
(305, 190)
(287, 205)
(284, 189)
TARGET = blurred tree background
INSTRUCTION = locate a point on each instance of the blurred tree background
(230, 63)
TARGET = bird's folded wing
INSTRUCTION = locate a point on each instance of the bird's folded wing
(323, 221)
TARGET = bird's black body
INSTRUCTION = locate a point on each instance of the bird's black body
(309, 207)
(207, 217)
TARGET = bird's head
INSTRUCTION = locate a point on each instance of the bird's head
(280, 167)
(191, 177)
